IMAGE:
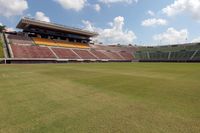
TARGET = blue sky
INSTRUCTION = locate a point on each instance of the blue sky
(139, 22)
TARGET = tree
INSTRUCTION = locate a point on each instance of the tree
(2, 28)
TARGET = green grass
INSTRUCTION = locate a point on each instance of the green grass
(1, 49)
(100, 98)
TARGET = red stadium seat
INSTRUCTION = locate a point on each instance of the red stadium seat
(65, 53)
(21, 51)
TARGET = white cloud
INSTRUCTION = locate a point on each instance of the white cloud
(42, 17)
(191, 7)
(1, 24)
(196, 39)
(76, 5)
(10, 29)
(154, 22)
(118, 1)
(172, 36)
(113, 35)
(10, 8)
(88, 25)
(97, 7)
(151, 13)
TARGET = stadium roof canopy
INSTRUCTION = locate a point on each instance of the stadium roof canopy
(25, 22)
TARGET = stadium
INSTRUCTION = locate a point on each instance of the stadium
(43, 42)
(55, 79)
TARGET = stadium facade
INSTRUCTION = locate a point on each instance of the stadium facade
(44, 42)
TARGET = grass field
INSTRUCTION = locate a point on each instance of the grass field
(100, 98)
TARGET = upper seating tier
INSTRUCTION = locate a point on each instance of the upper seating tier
(19, 39)
(59, 43)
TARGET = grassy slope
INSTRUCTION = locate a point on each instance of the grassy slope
(1, 49)
(100, 98)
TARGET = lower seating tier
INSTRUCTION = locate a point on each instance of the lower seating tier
(65, 53)
(99, 54)
(113, 55)
(84, 54)
(197, 55)
(175, 55)
(32, 51)
(21, 51)
(126, 56)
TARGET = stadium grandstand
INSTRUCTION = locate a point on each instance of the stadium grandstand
(169, 53)
(44, 42)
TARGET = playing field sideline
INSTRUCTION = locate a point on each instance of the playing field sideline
(100, 98)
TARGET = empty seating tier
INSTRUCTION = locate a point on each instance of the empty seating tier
(21, 51)
(65, 53)
(184, 52)
(62, 50)
(20, 39)
(126, 56)
(84, 54)
(114, 48)
(113, 55)
(59, 43)
(26, 51)
(197, 55)
(99, 54)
